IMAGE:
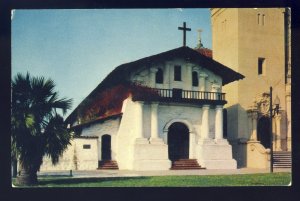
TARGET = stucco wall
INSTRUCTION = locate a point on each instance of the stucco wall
(127, 134)
(66, 162)
(107, 127)
(146, 76)
(75, 157)
(87, 159)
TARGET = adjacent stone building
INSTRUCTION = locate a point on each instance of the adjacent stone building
(255, 43)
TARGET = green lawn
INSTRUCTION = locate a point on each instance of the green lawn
(274, 179)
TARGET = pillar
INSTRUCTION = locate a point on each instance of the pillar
(139, 123)
(205, 122)
(202, 84)
(167, 84)
(219, 122)
(192, 144)
(189, 85)
(249, 114)
(252, 118)
(152, 76)
(288, 112)
(154, 125)
(254, 125)
(278, 132)
(215, 89)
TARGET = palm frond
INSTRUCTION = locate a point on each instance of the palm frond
(34, 103)
(57, 138)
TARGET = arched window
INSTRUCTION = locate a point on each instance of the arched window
(159, 77)
(195, 79)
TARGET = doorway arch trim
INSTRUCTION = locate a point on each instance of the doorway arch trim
(184, 121)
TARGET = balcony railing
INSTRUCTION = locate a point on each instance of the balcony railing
(187, 94)
(179, 95)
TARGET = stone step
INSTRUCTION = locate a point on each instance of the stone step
(282, 166)
(185, 164)
(108, 164)
(282, 159)
(282, 156)
(187, 168)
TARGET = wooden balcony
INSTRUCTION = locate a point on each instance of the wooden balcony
(179, 95)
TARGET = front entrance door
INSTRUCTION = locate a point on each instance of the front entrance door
(178, 141)
(106, 147)
(263, 131)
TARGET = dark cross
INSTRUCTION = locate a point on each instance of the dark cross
(184, 29)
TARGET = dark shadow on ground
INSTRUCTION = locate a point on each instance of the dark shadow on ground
(70, 180)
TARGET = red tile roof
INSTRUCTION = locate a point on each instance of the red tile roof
(205, 51)
(101, 102)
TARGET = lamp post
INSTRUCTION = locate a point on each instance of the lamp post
(272, 114)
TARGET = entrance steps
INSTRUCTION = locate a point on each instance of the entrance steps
(108, 165)
(282, 159)
(185, 164)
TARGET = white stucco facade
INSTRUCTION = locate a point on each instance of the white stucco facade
(190, 98)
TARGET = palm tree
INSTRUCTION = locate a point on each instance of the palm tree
(37, 128)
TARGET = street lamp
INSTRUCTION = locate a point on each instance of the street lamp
(272, 111)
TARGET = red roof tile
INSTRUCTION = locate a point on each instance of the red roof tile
(205, 51)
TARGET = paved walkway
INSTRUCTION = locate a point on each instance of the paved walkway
(131, 173)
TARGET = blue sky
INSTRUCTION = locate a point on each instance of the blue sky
(78, 48)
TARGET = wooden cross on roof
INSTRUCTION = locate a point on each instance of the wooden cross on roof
(184, 29)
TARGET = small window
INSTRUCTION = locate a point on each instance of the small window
(258, 16)
(159, 77)
(261, 66)
(195, 79)
(177, 73)
(263, 20)
(86, 146)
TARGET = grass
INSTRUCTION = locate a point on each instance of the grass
(275, 179)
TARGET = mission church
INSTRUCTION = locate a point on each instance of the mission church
(167, 111)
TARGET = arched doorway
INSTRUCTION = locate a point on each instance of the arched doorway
(263, 131)
(106, 147)
(178, 141)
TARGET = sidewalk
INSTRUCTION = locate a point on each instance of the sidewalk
(131, 173)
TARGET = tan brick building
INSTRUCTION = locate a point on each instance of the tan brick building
(256, 43)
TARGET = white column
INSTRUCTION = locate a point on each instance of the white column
(168, 78)
(202, 84)
(152, 76)
(205, 122)
(189, 85)
(215, 88)
(192, 142)
(278, 132)
(139, 123)
(154, 123)
(166, 81)
(154, 139)
(219, 123)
